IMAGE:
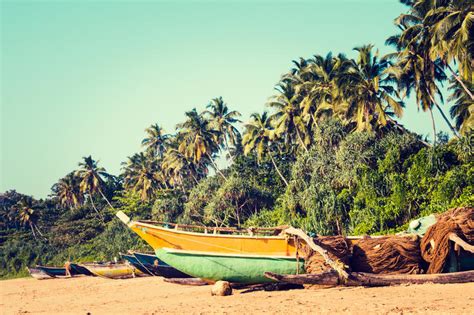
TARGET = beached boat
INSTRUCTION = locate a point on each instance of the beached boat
(114, 271)
(38, 274)
(150, 264)
(219, 253)
(53, 271)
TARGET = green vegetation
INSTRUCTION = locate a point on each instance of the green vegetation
(328, 156)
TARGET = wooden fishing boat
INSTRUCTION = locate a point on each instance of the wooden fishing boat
(53, 271)
(114, 271)
(150, 264)
(38, 274)
(237, 268)
(230, 254)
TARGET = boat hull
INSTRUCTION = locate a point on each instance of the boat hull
(38, 274)
(147, 264)
(247, 269)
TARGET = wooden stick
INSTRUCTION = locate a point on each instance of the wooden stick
(336, 265)
(460, 242)
(373, 280)
(187, 281)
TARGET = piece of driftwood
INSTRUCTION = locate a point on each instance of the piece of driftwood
(187, 281)
(373, 280)
(277, 286)
(336, 265)
(460, 242)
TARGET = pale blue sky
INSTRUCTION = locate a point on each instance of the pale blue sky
(87, 77)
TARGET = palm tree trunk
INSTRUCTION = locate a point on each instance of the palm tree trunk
(32, 230)
(434, 126)
(215, 166)
(442, 114)
(93, 206)
(227, 148)
(277, 169)
(460, 82)
(107, 200)
(301, 140)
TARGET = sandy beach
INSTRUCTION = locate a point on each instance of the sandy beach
(84, 295)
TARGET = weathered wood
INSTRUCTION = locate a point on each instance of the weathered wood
(460, 242)
(187, 281)
(278, 286)
(336, 265)
(373, 280)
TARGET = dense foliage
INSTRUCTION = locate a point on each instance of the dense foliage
(328, 156)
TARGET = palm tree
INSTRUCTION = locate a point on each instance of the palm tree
(143, 174)
(27, 215)
(259, 135)
(156, 140)
(452, 37)
(198, 139)
(463, 109)
(222, 120)
(91, 176)
(287, 118)
(67, 191)
(368, 91)
(415, 70)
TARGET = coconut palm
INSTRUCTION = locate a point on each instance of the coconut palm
(92, 179)
(143, 174)
(67, 191)
(415, 70)
(27, 215)
(463, 109)
(368, 91)
(287, 119)
(198, 140)
(156, 140)
(452, 37)
(258, 137)
(223, 121)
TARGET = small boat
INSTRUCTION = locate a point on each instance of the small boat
(53, 271)
(114, 271)
(77, 269)
(150, 264)
(38, 274)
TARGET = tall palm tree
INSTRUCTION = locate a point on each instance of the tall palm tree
(415, 70)
(288, 118)
(368, 90)
(92, 179)
(452, 36)
(27, 215)
(258, 136)
(67, 191)
(223, 121)
(156, 140)
(198, 139)
(143, 174)
(463, 109)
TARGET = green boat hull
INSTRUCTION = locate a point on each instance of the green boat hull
(239, 269)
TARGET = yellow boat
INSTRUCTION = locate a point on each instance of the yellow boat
(217, 240)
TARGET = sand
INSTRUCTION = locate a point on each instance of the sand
(154, 296)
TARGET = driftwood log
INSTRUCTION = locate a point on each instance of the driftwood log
(337, 265)
(187, 281)
(372, 280)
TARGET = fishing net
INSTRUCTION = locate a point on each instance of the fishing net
(387, 255)
(435, 243)
(337, 248)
